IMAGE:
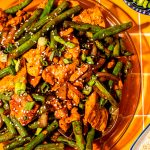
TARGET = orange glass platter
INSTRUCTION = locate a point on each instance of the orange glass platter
(134, 108)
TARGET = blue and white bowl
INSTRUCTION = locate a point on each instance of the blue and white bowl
(133, 5)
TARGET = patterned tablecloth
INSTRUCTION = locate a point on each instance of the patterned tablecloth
(141, 37)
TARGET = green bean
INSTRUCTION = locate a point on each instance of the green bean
(111, 47)
(22, 40)
(4, 97)
(48, 18)
(128, 54)
(89, 60)
(1, 110)
(81, 26)
(38, 131)
(115, 72)
(50, 25)
(27, 23)
(127, 67)
(67, 61)
(58, 19)
(40, 138)
(103, 33)
(6, 105)
(89, 139)
(6, 136)
(65, 43)
(42, 109)
(29, 105)
(19, 148)
(6, 71)
(43, 62)
(45, 87)
(20, 88)
(9, 48)
(34, 125)
(83, 57)
(22, 131)
(51, 146)
(9, 124)
(38, 97)
(3, 130)
(99, 45)
(20, 6)
(66, 141)
(92, 80)
(81, 106)
(122, 46)
(116, 50)
(19, 141)
(77, 129)
(87, 90)
(102, 102)
(119, 93)
(53, 44)
(47, 8)
(105, 94)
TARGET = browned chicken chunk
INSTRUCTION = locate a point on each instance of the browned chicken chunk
(92, 16)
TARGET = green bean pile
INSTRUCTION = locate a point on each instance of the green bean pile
(61, 80)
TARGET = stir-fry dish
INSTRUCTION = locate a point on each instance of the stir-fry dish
(62, 71)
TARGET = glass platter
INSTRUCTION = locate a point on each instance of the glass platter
(131, 91)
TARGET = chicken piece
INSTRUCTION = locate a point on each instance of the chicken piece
(56, 87)
(111, 64)
(22, 16)
(119, 85)
(4, 36)
(66, 32)
(58, 73)
(3, 19)
(73, 52)
(78, 84)
(74, 115)
(55, 104)
(43, 120)
(17, 109)
(98, 118)
(87, 75)
(62, 92)
(69, 104)
(42, 4)
(34, 67)
(61, 113)
(20, 77)
(2, 65)
(92, 16)
(10, 36)
(74, 94)
(79, 72)
(34, 80)
(55, 73)
(95, 115)
(75, 90)
(89, 105)
(63, 125)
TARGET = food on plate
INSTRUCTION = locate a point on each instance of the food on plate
(62, 71)
(143, 3)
